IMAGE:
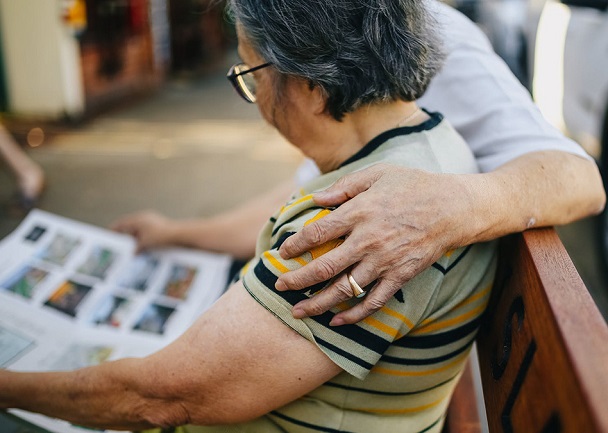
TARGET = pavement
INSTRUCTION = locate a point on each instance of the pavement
(193, 148)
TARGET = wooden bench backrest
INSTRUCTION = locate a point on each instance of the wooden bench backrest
(543, 346)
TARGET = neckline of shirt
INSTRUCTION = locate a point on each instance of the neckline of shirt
(374, 143)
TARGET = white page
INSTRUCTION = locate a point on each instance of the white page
(74, 295)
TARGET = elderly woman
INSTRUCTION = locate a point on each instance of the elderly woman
(339, 80)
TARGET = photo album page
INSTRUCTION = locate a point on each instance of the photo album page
(74, 295)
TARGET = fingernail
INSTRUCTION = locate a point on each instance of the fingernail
(298, 313)
(280, 286)
(336, 321)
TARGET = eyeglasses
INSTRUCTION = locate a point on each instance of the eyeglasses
(243, 83)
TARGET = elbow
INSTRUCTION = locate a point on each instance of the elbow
(173, 414)
(591, 198)
(601, 202)
(171, 405)
(597, 201)
(163, 414)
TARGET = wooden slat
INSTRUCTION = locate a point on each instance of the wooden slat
(543, 348)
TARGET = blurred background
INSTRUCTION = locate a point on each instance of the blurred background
(125, 105)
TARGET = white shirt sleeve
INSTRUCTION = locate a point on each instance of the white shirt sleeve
(480, 96)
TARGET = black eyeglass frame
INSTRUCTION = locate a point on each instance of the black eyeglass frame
(239, 85)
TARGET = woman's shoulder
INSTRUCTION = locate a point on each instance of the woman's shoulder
(439, 148)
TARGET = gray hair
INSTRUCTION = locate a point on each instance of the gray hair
(356, 51)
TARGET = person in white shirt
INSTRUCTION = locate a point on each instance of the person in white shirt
(532, 176)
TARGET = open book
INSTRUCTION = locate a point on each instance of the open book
(74, 295)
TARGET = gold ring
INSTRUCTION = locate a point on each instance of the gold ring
(358, 292)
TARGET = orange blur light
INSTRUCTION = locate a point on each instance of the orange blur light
(35, 137)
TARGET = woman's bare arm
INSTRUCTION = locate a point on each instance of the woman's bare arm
(236, 363)
(232, 232)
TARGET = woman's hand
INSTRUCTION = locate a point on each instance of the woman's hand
(400, 222)
(150, 229)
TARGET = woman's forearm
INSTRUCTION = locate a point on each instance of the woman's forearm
(541, 189)
(205, 377)
(235, 231)
(107, 396)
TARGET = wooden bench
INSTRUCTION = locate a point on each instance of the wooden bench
(542, 347)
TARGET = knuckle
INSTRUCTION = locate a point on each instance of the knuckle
(407, 275)
(317, 232)
(373, 304)
(342, 291)
(368, 243)
(293, 280)
(314, 307)
(324, 270)
(409, 271)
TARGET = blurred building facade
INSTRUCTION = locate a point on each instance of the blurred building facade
(68, 58)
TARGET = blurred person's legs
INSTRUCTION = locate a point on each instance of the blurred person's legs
(29, 175)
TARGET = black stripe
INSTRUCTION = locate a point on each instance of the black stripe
(385, 393)
(317, 287)
(344, 353)
(266, 277)
(355, 333)
(282, 239)
(234, 272)
(305, 424)
(376, 142)
(432, 425)
(437, 340)
(296, 216)
(428, 361)
(458, 259)
(314, 288)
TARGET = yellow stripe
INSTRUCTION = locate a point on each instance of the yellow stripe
(318, 216)
(397, 315)
(450, 322)
(301, 261)
(475, 297)
(317, 252)
(245, 268)
(297, 202)
(405, 410)
(274, 262)
(343, 306)
(381, 326)
(467, 301)
(391, 372)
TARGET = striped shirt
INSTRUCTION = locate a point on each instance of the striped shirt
(401, 363)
